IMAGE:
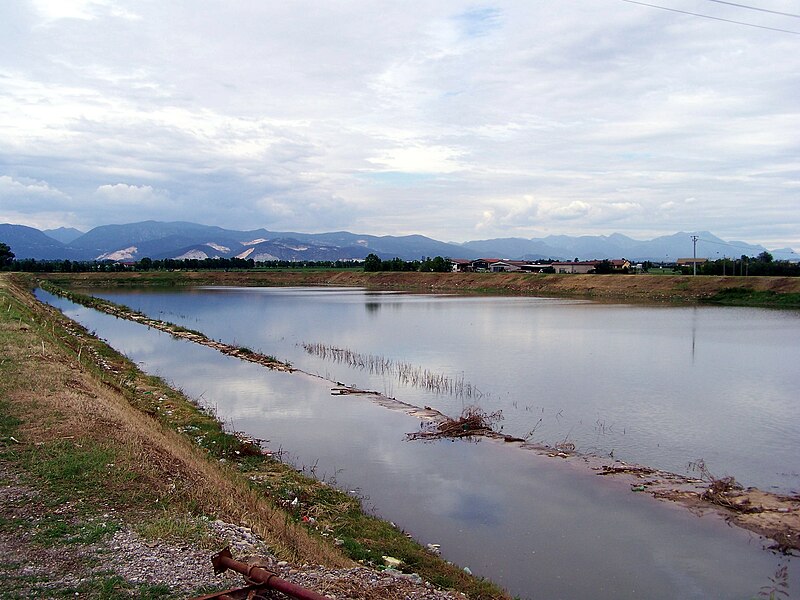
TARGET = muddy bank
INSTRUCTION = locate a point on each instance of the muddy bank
(774, 516)
(780, 291)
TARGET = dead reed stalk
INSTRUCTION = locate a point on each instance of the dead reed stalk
(405, 373)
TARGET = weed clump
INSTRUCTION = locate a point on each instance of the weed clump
(723, 491)
(473, 421)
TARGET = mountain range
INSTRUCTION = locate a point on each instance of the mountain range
(160, 240)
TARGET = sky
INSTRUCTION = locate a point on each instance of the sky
(451, 119)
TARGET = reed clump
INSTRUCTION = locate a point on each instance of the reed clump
(405, 373)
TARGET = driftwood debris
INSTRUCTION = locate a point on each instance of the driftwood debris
(473, 421)
(627, 469)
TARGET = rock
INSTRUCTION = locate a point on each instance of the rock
(391, 561)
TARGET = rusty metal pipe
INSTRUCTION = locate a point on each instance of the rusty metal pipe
(223, 561)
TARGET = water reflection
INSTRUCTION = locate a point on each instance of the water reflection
(542, 530)
(662, 386)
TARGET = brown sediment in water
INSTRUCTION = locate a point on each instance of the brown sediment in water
(775, 516)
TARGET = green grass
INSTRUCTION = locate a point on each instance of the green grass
(363, 537)
(657, 271)
(74, 467)
(182, 278)
(8, 525)
(742, 296)
(181, 528)
(80, 471)
(54, 529)
(8, 423)
(76, 482)
(97, 587)
(113, 587)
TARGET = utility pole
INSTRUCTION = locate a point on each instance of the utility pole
(694, 254)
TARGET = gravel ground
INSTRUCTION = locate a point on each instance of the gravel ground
(45, 570)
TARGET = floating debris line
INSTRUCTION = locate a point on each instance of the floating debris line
(406, 373)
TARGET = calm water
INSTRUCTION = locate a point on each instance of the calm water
(527, 522)
(662, 386)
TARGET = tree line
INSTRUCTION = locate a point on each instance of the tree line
(763, 264)
(8, 262)
(373, 263)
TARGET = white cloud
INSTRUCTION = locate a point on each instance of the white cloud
(123, 194)
(42, 219)
(574, 210)
(13, 188)
(29, 196)
(52, 10)
(436, 118)
(419, 159)
(64, 9)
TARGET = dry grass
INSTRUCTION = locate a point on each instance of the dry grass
(681, 288)
(71, 391)
(64, 400)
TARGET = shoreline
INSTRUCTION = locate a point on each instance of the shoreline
(188, 469)
(775, 516)
(780, 292)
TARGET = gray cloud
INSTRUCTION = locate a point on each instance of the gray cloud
(448, 119)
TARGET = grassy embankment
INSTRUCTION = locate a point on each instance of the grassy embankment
(782, 292)
(743, 296)
(107, 446)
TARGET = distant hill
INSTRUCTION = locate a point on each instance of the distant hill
(190, 240)
(179, 239)
(27, 242)
(157, 236)
(667, 248)
(63, 234)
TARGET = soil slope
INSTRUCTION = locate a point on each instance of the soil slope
(627, 288)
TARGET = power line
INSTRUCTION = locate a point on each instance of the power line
(726, 244)
(766, 10)
(752, 248)
(686, 12)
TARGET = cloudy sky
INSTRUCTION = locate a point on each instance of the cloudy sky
(452, 119)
